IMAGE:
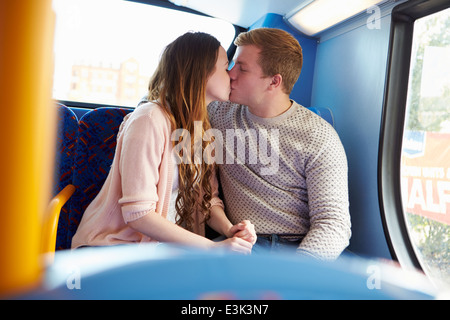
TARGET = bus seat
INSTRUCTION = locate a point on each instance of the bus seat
(67, 130)
(325, 113)
(66, 137)
(95, 150)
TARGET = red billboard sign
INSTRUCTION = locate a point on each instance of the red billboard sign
(425, 174)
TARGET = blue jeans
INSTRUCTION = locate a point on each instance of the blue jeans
(273, 243)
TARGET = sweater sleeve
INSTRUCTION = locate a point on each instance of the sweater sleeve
(215, 200)
(140, 159)
(326, 178)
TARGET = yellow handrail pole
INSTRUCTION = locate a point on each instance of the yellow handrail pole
(50, 226)
(26, 136)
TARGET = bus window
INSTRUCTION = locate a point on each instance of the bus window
(425, 158)
(107, 50)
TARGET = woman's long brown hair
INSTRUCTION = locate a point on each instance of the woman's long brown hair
(179, 85)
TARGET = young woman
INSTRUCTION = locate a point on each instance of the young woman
(153, 193)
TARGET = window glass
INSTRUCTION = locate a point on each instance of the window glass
(425, 162)
(107, 50)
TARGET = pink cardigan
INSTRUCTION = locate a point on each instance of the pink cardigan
(139, 182)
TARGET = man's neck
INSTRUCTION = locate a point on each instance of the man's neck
(271, 109)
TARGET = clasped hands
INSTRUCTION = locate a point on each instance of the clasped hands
(240, 238)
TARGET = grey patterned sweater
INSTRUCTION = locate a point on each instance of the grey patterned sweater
(287, 175)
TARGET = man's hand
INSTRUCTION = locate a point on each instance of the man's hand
(244, 230)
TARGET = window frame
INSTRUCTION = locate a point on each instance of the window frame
(392, 126)
(168, 5)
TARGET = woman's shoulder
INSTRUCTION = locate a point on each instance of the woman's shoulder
(150, 110)
(150, 113)
(147, 117)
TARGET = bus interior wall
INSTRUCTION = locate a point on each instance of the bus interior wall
(346, 73)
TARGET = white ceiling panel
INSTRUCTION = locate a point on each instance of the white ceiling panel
(241, 12)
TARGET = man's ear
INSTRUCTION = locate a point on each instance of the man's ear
(276, 82)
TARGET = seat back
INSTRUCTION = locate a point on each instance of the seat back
(95, 151)
(66, 137)
(325, 113)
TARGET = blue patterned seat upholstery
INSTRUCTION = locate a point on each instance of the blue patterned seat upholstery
(67, 132)
(66, 137)
(95, 151)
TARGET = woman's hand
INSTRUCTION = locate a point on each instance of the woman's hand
(235, 244)
(244, 230)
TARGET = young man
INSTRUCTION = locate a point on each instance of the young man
(284, 168)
